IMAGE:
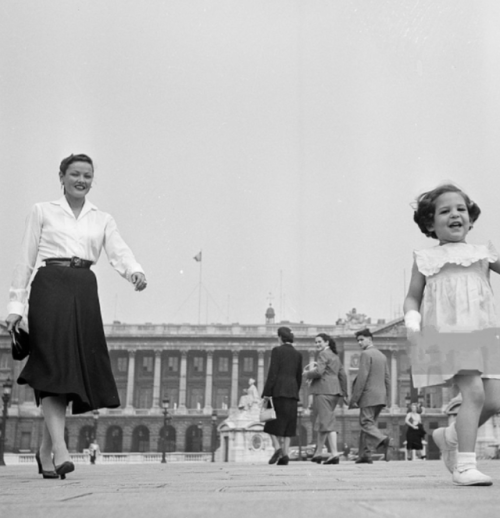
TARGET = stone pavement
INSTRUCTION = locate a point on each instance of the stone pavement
(420, 489)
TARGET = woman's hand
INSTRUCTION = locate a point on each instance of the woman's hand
(13, 322)
(139, 281)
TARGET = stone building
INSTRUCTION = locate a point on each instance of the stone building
(205, 368)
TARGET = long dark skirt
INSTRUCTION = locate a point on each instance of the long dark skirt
(285, 424)
(414, 437)
(69, 354)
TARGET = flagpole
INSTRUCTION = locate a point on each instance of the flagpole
(199, 290)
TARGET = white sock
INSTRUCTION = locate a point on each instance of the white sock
(466, 460)
(450, 434)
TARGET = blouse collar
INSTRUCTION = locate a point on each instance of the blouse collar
(63, 203)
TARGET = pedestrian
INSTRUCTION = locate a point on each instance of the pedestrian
(414, 432)
(93, 451)
(328, 385)
(450, 316)
(370, 393)
(283, 384)
(69, 360)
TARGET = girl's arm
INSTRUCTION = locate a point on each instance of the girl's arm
(495, 266)
(415, 291)
(411, 306)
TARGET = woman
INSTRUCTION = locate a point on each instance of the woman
(328, 384)
(414, 433)
(69, 360)
(283, 383)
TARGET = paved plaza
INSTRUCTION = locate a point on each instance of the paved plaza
(420, 489)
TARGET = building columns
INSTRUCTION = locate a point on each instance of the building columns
(157, 380)
(260, 371)
(130, 379)
(234, 380)
(183, 382)
(394, 379)
(208, 383)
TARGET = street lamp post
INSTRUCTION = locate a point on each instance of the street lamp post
(7, 389)
(200, 434)
(165, 403)
(300, 410)
(96, 424)
(214, 433)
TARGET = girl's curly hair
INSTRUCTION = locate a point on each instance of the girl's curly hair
(426, 208)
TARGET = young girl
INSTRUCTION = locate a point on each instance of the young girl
(451, 320)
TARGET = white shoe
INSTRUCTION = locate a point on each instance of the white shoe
(448, 451)
(470, 477)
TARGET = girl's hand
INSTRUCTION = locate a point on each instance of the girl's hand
(412, 321)
(13, 322)
(139, 281)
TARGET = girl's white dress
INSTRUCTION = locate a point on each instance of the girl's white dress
(459, 320)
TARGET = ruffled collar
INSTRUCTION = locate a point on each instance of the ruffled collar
(431, 260)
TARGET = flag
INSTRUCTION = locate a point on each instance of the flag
(197, 257)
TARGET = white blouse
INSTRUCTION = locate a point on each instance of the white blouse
(53, 231)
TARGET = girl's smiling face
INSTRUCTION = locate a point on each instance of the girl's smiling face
(451, 218)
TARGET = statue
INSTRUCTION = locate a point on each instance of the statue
(355, 320)
(251, 397)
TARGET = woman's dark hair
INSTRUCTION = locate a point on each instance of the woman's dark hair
(426, 208)
(330, 340)
(66, 162)
(285, 333)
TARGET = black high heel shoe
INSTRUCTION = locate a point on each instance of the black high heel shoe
(317, 459)
(332, 460)
(41, 471)
(65, 467)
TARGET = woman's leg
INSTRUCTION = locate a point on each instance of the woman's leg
(286, 445)
(473, 398)
(332, 441)
(54, 413)
(46, 450)
(320, 442)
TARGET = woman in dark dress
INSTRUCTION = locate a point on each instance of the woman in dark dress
(283, 383)
(69, 360)
(414, 433)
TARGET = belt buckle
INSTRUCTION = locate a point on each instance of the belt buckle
(75, 262)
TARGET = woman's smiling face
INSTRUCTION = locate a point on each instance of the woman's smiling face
(77, 180)
(451, 218)
(320, 343)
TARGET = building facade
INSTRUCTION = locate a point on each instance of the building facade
(206, 368)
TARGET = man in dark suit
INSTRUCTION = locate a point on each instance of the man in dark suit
(283, 383)
(370, 393)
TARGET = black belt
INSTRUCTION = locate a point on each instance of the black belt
(72, 262)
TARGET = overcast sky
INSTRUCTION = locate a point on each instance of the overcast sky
(285, 139)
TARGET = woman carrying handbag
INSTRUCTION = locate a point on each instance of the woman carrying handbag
(283, 383)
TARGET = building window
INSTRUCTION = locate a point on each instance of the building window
(173, 363)
(248, 364)
(4, 361)
(223, 364)
(147, 364)
(144, 397)
(195, 398)
(222, 398)
(25, 441)
(173, 397)
(122, 363)
(198, 363)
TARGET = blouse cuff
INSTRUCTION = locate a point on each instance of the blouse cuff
(15, 308)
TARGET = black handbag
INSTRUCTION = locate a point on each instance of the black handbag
(20, 344)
